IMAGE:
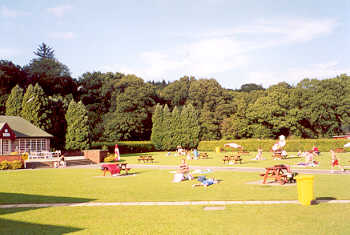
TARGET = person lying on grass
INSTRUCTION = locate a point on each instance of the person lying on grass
(205, 182)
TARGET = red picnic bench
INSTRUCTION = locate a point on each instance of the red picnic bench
(115, 168)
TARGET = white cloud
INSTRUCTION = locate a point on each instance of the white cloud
(10, 13)
(217, 51)
(59, 11)
(62, 35)
(295, 75)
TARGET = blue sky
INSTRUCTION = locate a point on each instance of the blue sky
(235, 42)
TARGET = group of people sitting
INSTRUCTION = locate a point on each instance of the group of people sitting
(188, 153)
(183, 173)
(61, 162)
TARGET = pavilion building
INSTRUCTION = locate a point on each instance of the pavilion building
(19, 135)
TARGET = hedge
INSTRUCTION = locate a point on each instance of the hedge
(126, 146)
(293, 145)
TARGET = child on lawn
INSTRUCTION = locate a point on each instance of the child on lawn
(335, 161)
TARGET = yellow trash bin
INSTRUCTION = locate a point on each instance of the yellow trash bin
(305, 185)
(218, 149)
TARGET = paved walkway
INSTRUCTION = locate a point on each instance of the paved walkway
(181, 203)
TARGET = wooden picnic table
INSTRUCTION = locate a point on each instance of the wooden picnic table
(145, 159)
(235, 158)
(122, 167)
(278, 173)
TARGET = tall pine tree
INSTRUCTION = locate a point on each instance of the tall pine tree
(157, 129)
(176, 127)
(190, 127)
(35, 107)
(14, 102)
(77, 136)
(167, 131)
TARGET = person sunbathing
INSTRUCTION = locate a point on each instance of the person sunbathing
(205, 182)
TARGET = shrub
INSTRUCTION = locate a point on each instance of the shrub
(293, 145)
(4, 165)
(127, 146)
(14, 165)
(110, 158)
(25, 156)
(104, 147)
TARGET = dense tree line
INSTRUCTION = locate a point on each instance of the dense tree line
(121, 107)
(179, 127)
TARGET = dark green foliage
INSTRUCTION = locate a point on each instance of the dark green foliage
(14, 102)
(177, 128)
(127, 146)
(251, 87)
(190, 127)
(44, 51)
(58, 106)
(77, 136)
(132, 117)
(176, 93)
(35, 107)
(157, 128)
(167, 131)
(53, 76)
(10, 76)
(206, 95)
(95, 91)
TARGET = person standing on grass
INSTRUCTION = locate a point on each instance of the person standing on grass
(335, 161)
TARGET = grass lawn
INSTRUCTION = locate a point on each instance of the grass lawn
(277, 219)
(82, 185)
(215, 159)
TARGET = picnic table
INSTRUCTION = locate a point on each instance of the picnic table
(145, 159)
(113, 168)
(236, 158)
(277, 155)
(280, 173)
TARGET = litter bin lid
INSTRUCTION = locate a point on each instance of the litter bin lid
(304, 177)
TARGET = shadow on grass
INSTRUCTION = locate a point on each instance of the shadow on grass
(319, 200)
(11, 198)
(18, 227)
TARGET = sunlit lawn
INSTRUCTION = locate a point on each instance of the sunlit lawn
(276, 219)
(78, 185)
(88, 185)
(215, 159)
